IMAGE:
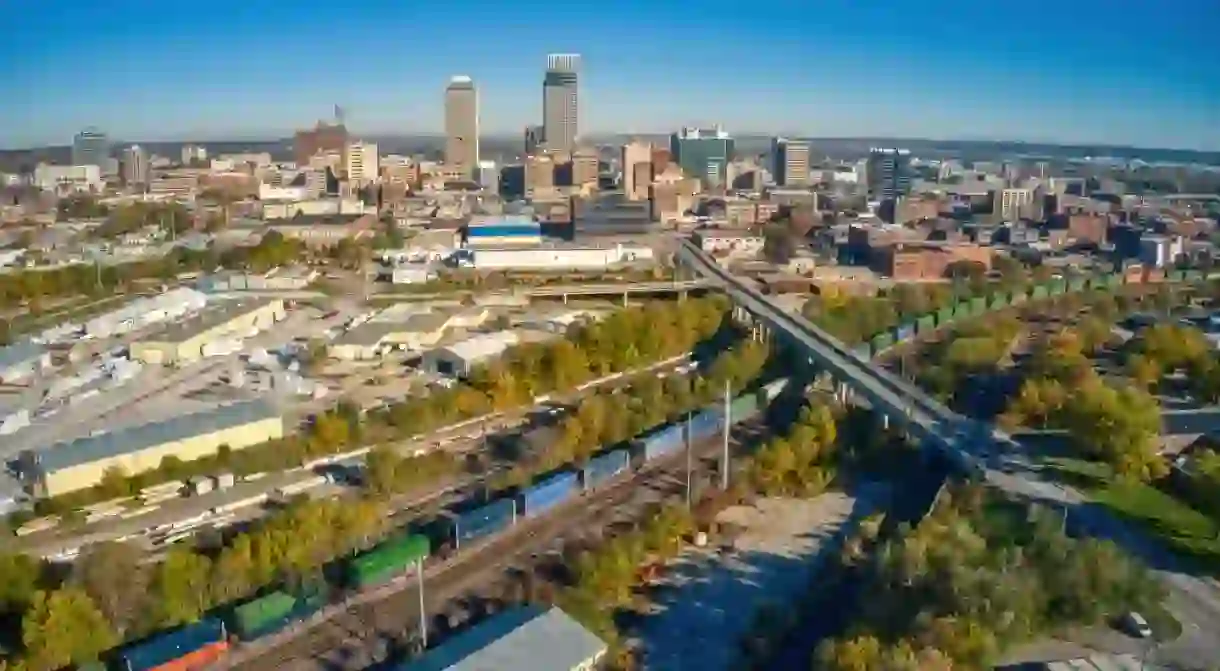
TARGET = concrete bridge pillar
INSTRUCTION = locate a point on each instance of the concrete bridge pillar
(625, 301)
(885, 422)
(565, 298)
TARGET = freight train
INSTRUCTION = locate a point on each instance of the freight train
(201, 643)
(978, 306)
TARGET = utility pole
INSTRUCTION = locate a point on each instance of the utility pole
(728, 422)
(423, 616)
(688, 464)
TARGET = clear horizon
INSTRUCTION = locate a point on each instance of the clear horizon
(955, 71)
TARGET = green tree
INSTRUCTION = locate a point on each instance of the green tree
(64, 627)
(20, 578)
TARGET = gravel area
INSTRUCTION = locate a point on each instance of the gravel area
(709, 596)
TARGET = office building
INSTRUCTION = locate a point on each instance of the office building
(321, 138)
(487, 174)
(135, 166)
(560, 105)
(889, 173)
(703, 154)
(533, 140)
(90, 147)
(539, 175)
(790, 160)
(192, 153)
(361, 162)
(462, 125)
(636, 179)
(584, 167)
(1012, 204)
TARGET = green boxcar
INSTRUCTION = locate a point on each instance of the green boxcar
(1193, 276)
(863, 351)
(744, 407)
(1077, 284)
(961, 310)
(1058, 287)
(1175, 275)
(978, 306)
(1017, 296)
(925, 324)
(384, 562)
(944, 316)
(998, 302)
(257, 617)
(1040, 291)
(882, 342)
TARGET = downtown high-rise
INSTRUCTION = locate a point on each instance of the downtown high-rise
(90, 147)
(560, 102)
(462, 125)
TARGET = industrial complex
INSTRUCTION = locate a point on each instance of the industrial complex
(81, 463)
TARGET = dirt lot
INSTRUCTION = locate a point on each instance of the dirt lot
(708, 599)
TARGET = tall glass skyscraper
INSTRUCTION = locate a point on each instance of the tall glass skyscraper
(560, 102)
(90, 147)
(703, 153)
(888, 173)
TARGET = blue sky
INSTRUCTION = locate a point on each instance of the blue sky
(1137, 72)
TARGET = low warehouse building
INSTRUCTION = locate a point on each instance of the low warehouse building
(372, 338)
(521, 639)
(22, 360)
(81, 463)
(184, 342)
(557, 258)
(458, 359)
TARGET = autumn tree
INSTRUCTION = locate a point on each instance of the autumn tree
(63, 627)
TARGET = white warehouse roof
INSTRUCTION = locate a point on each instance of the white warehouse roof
(482, 347)
(523, 639)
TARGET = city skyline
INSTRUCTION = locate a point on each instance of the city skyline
(847, 71)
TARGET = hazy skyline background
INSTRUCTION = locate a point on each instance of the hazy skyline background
(1127, 72)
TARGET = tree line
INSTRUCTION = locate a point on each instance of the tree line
(110, 594)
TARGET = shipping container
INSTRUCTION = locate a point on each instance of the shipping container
(263, 615)
(605, 467)
(387, 560)
(190, 647)
(547, 494)
(882, 342)
(904, 332)
(745, 407)
(706, 422)
(663, 441)
(925, 324)
(484, 521)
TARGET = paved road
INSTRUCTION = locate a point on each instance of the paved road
(1196, 600)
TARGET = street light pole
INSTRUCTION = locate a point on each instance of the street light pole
(423, 616)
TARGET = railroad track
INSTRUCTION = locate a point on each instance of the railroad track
(392, 609)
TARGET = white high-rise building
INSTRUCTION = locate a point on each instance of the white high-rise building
(361, 165)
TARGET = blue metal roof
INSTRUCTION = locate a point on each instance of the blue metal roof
(133, 439)
(531, 229)
(523, 639)
(20, 352)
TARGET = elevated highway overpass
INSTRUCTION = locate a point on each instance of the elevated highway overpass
(978, 451)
